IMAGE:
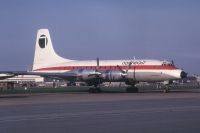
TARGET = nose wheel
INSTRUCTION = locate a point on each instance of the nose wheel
(166, 89)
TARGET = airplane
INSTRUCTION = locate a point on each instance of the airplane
(48, 63)
(6, 75)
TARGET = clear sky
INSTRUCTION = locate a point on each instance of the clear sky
(108, 29)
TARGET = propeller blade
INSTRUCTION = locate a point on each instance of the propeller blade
(97, 62)
(120, 69)
(172, 62)
(129, 66)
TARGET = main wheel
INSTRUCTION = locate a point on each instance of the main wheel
(94, 90)
(132, 90)
(166, 90)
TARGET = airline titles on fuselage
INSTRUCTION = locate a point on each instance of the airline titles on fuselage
(135, 62)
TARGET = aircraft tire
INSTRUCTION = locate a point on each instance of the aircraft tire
(132, 90)
(94, 90)
(166, 89)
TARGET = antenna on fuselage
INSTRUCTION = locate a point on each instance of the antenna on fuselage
(172, 62)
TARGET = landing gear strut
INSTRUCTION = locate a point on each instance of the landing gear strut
(167, 86)
(166, 89)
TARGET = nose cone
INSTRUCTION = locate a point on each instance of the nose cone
(183, 74)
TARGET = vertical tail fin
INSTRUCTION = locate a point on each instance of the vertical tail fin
(44, 52)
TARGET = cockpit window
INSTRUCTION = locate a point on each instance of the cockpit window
(167, 63)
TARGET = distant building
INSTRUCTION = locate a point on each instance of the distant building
(24, 78)
(197, 78)
(6, 85)
(20, 81)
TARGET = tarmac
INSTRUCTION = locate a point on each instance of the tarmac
(81, 112)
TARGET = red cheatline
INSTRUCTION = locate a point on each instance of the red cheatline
(138, 67)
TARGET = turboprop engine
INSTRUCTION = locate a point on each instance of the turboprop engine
(97, 76)
(93, 74)
(114, 75)
(87, 74)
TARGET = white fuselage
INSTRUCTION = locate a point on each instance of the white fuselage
(140, 70)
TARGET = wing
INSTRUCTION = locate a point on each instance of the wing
(67, 75)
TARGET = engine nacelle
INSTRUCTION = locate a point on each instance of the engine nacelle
(87, 74)
(113, 75)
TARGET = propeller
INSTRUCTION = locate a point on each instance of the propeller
(97, 67)
(129, 66)
(96, 73)
(125, 73)
(97, 62)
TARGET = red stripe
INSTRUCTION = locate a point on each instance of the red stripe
(138, 67)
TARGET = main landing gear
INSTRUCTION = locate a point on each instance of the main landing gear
(132, 89)
(94, 90)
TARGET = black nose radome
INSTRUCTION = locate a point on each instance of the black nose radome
(183, 74)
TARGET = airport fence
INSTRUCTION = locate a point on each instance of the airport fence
(153, 87)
